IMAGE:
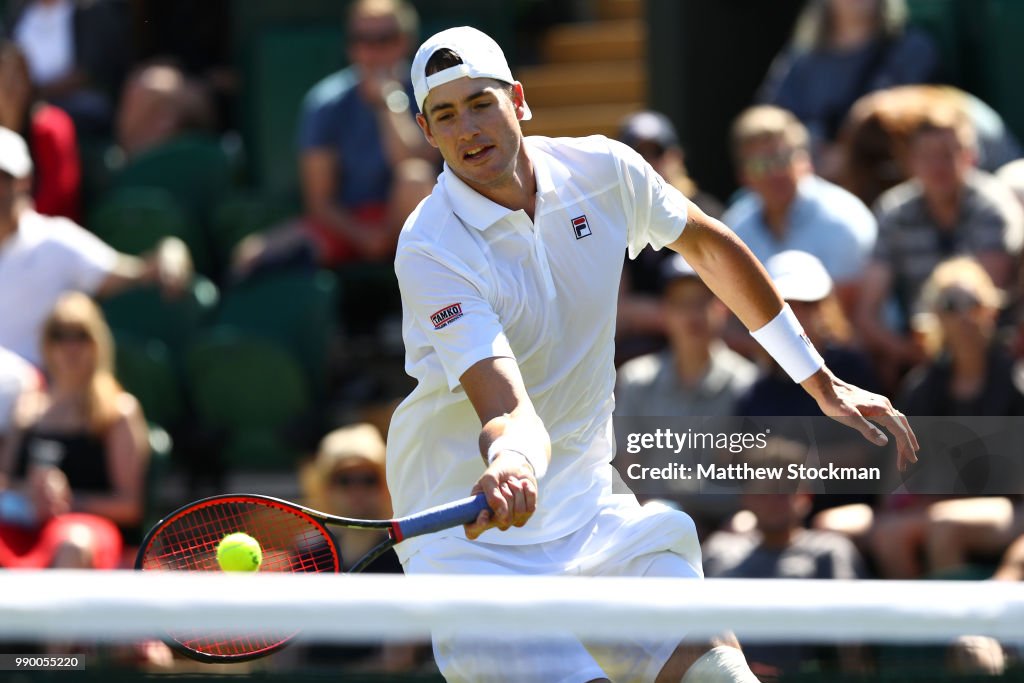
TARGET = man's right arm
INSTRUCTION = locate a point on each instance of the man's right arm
(169, 265)
(513, 442)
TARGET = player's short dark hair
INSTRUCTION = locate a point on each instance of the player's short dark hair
(445, 58)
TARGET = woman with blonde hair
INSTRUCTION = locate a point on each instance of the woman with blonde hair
(78, 456)
(346, 477)
(970, 372)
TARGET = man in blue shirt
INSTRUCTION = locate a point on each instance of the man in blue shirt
(363, 163)
(789, 208)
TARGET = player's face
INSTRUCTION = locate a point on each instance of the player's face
(940, 162)
(475, 125)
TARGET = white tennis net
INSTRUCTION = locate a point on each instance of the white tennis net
(124, 605)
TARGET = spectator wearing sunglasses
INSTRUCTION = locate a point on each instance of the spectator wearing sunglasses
(78, 455)
(969, 372)
(346, 478)
(364, 166)
(788, 207)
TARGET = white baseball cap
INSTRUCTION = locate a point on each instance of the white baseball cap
(14, 157)
(799, 276)
(481, 58)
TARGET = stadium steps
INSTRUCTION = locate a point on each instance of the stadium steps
(619, 39)
(593, 73)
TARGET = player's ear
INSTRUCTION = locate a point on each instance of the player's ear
(424, 125)
(519, 100)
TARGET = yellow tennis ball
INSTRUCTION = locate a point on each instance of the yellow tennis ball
(239, 552)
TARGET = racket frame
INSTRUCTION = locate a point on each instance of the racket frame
(435, 519)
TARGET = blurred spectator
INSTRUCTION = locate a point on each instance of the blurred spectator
(199, 36)
(346, 478)
(697, 375)
(79, 453)
(948, 208)
(41, 257)
(788, 207)
(640, 325)
(364, 163)
(77, 55)
(157, 105)
(873, 140)
(806, 286)
(769, 540)
(969, 371)
(842, 49)
(50, 135)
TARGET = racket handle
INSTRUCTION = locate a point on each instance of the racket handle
(441, 517)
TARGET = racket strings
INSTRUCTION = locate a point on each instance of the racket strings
(291, 542)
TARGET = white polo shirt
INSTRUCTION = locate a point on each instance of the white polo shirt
(46, 257)
(479, 280)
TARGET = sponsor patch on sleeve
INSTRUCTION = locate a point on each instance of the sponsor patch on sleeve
(446, 315)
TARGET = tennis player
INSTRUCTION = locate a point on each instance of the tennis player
(509, 273)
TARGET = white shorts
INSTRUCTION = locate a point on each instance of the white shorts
(622, 539)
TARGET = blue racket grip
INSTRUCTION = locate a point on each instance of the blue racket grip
(441, 517)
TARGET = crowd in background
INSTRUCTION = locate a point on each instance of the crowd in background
(887, 206)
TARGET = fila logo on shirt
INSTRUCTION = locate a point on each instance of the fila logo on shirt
(446, 315)
(581, 227)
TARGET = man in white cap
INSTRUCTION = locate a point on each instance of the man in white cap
(509, 273)
(42, 257)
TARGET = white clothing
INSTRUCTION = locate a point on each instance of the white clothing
(16, 375)
(479, 280)
(46, 257)
(621, 539)
(46, 35)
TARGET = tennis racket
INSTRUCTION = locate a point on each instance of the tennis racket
(293, 538)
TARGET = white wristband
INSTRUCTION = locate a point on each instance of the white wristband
(784, 339)
(533, 455)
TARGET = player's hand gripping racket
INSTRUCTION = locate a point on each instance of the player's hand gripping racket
(293, 539)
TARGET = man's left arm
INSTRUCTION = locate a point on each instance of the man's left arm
(736, 277)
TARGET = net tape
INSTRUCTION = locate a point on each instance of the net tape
(127, 605)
